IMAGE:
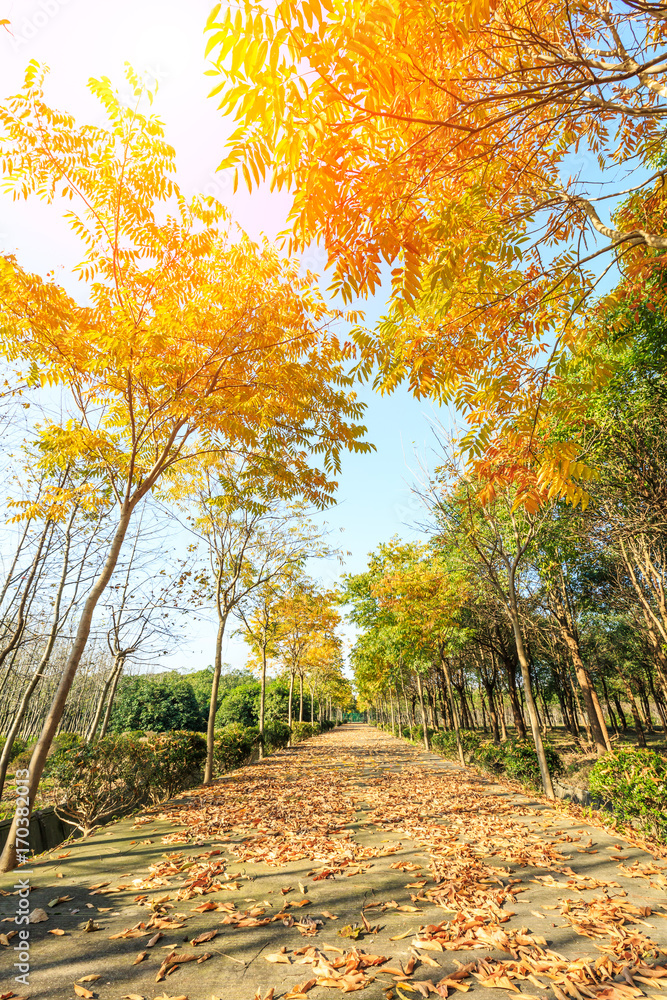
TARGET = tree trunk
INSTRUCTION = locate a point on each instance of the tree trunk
(289, 704)
(452, 706)
(528, 693)
(633, 708)
(300, 697)
(213, 703)
(262, 702)
(420, 692)
(20, 712)
(9, 857)
(112, 695)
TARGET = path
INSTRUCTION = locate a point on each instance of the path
(347, 829)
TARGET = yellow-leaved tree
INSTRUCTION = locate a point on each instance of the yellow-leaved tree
(188, 338)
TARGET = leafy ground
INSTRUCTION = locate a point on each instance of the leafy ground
(354, 861)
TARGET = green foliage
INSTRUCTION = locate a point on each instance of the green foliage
(240, 705)
(23, 756)
(156, 705)
(19, 746)
(304, 730)
(445, 742)
(515, 758)
(233, 745)
(520, 761)
(101, 779)
(177, 761)
(634, 782)
(276, 735)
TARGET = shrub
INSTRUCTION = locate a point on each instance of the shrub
(176, 762)
(634, 782)
(23, 756)
(520, 761)
(101, 779)
(304, 730)
(445, 743)
(233, 745)
(19, 746)
(240, 705)
(491, 756)
(276, 734)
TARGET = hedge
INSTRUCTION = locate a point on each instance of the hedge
(634, 783)
(303, 730)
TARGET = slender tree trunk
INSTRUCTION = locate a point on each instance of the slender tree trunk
(213, 703)
(420, 692)
(452, 706)
(528, 693)
(312, 704)
(20, 712)
(112, 694)
(391, 706)
(8, 860)
(262, 702)
(633, 708)
(300, 697)
(90, 736)
(289, 704)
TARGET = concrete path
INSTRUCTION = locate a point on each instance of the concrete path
(353, 861)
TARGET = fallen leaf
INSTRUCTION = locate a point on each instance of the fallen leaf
(329, 916)
(81, 991)
(206, 936)
(38, 916)
(57, 931)
(140, 957)
(92, 978)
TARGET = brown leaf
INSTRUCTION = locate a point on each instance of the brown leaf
(81, 991)
(329, 916)
(92, 978)
(140, 957)
(206, 936)
(57, 931)
(279, 957)
(154, 940)
(38, 916)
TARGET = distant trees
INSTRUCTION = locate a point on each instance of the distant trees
(156, 705)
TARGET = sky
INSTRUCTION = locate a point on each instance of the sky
(78, 39)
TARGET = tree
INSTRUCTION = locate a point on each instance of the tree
(307, 619)
(192, 342)
(444, 141)
(500, 536)
(259, 614)
(156, 704)
(249, 544)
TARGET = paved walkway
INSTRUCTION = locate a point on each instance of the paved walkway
(353, 861)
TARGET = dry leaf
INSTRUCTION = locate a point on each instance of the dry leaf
(57, 931)
(279, 957)
(92, 978)
(206, 936)
(140, 957)
(81, 991)
(38, 916)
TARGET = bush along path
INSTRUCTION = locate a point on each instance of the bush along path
(354, 861)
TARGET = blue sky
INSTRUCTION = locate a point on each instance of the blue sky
(79, 39)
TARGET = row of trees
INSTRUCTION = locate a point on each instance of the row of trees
(552, 615)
